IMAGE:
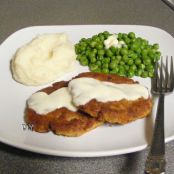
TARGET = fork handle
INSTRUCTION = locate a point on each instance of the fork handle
(155, 163)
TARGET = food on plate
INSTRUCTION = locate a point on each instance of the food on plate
(122, 54)
(51, 109)
(72, 108)
(110, 98)
(43, 59)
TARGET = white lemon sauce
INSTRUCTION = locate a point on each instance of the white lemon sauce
(85, 89)
(80, 91)
(43, 103)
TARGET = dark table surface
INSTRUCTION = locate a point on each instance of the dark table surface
(17, 14)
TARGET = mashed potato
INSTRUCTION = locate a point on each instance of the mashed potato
(42, 60)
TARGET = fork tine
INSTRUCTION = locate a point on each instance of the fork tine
(166, 75)
(171, 75)
(155, 78)
(161, 76)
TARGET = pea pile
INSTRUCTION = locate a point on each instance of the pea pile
(135, 58)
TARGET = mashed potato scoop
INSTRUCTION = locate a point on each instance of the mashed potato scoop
(43, 59)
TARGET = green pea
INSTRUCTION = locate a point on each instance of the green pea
(97, 39)
(131, 35)
(83, 48)
(139, 72)
(98, 63)
(106, 60)
(130, 74)
(78, 57)
(106, 65)
(116, 69)
(101, 36)
(144, 53)
(145, 42)
(113, 65)
(126, 67)
(122, 63)
(158, 55)
(82, 39)
(149, 67)
(113, 58)
(127, 40)
(125, 58)
(105, 70)
(138, 61)
(130, 61)
(132, 68)
(144, 74)
(109, 53)
(113, 49)
(92, 59)
(118, 58)
(151, 54)
(94, 51)
(139, 40)
(119, 36)
(88, 40)
(147, 61)
(121, 72)
(133, 56)
(106, 34)
(93, 67)
(101, 52)
(156, 46)
(84, 62)
(150, 74)
(83, 44)
(94, 37)
(138, 50)
(124, 51)
(124, 36)
(91, 54)
(117, 51)
(99, 46)
(134, 46)
(88, 52)
(141, 66)
(78, 50)
(93, 44)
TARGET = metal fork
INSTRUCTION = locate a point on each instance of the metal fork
(162, 84)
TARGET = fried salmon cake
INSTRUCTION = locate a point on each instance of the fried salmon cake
(61, 121)
(122, 111)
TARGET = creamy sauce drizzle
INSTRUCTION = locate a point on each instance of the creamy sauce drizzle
(85, 89)
(113, 41)
(43, 103)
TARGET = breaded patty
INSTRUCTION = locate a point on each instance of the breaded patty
(122, 111)
(61, 121)
(73, 124)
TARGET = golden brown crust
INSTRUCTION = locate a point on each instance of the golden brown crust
(120, 112)
(61, 121)
(107, 77)
(73, 124)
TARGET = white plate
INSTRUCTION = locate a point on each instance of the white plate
(103, 141)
